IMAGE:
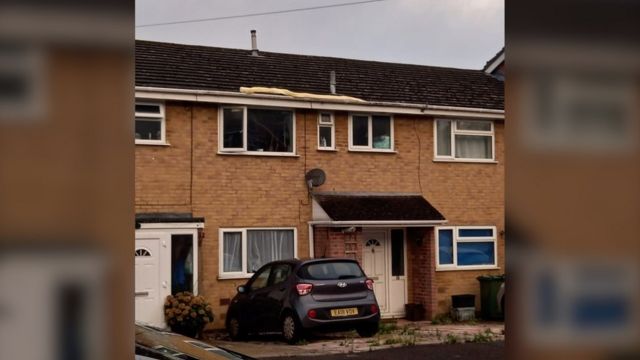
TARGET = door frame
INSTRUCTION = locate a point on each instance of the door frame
(178, 229)
(387, 265)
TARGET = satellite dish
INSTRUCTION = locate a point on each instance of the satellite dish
(315, 177)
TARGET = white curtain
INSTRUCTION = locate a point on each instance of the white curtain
(264, 246)
(232, 247)
(473, 147)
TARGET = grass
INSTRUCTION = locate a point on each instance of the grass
(483, 337)
(452, 339)
(442, 319)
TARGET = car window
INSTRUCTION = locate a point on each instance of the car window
(280, 273)
(261, 279)
(331, 271)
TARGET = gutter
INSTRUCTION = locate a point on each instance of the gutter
(230, 97)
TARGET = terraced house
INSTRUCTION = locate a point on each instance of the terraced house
(246, 156)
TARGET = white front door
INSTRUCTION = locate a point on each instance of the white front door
(152, 276)
(374, 263)
(383, 260)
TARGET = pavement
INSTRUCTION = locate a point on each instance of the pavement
(394, 334)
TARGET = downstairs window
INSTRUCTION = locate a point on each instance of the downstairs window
(466, 247)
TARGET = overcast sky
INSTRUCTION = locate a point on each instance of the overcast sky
(453, 33)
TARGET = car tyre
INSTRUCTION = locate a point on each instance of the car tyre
(235, 329)
(368, 330)
(292, 331)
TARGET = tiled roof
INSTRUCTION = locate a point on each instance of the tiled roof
(371, 207)
(211, 68)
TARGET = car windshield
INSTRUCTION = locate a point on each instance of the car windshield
(334, 270)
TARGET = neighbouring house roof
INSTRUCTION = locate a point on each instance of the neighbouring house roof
(177, 66)
(377, 207)
(494, 63)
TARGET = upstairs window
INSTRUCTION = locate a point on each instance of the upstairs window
(471, 140)
(257, 130)
(150, 123)
(326, 131)
(371, 133)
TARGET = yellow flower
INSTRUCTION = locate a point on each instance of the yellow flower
(185, 312)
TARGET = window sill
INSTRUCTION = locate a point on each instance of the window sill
(374, 151)
(468, 161)
(258, 153)
(469, 268)
(234, 277)
(328, 150)
(153, 143)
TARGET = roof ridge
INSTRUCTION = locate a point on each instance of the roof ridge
(314, 56)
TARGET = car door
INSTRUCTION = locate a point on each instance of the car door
(277, 292)
(256, 304)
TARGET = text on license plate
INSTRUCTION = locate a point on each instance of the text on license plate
(344, 312)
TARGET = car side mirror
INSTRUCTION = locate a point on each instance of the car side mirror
(242, 289)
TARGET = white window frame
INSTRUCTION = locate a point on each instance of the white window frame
(332, 125)
(153, 117)
(456, 239)
(455, 131)
(244, 274)
(243, 150)
(369, 147)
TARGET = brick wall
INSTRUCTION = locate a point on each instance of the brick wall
(245, 191)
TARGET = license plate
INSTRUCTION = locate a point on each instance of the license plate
(344, 312)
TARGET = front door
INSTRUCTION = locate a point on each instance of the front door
(152, 276)
(383, 260)
(374, 264)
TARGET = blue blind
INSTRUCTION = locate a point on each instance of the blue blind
(488, 232)
(445, 246)
(475, 253)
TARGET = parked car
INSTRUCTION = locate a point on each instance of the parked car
(156, 343)
(295, 296)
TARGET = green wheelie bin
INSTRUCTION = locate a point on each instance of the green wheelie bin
(490, 309)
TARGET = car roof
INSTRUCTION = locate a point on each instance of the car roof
(301, 262)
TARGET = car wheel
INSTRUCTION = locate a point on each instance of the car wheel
(368, 330)
(291, 329)
(235, 329)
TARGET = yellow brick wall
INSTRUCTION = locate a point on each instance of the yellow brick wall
(246, 191)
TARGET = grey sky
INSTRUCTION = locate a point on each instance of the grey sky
(454, 33)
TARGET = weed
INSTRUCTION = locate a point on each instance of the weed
(387, 328)
(409, 340)
(302, 342)
(406, 330)
(393, 340)
(442, 319)
(451, 339)
(483, 337)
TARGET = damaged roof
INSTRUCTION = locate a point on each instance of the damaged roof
(381, 207)
(178, 66)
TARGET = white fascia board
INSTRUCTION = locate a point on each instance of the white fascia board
(495, 64)
(227, 97)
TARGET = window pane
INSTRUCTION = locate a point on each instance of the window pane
(473, 147)
(475, 253)
(325, 140)
(445, 246)
(360, 128)
(148, 129)
(397, 253)
(280, 273)
(473, 125)
(232, 128)
(269, 130)
(381, 132)
(181, 263)
(232, 251)
(335, 270)
(475, 232)
(443, 128)
(148, 108)
(325, 118)
(264, 246)
(261, 280)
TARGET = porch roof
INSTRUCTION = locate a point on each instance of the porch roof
(370, 207)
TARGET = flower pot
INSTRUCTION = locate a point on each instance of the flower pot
(190, 331)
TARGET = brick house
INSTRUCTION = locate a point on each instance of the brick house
(412, 156)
